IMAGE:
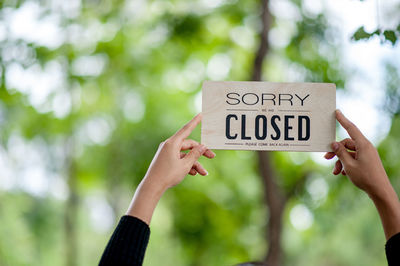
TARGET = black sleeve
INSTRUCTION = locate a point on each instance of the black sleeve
(127, 244)
(393, 250)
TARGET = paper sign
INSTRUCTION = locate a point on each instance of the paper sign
(268, 116)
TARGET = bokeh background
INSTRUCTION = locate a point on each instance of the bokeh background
(89, 88)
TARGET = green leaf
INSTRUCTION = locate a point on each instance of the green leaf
(390, 36)
(361, 34)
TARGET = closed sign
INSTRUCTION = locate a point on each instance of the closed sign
(268, 116)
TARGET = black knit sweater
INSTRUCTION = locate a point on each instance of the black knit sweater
(127, 244)
(129, 241)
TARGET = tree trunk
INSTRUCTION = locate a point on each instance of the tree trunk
(264, 45)
(274, 198)
(113, 182)
(71, 210)
(275, 202)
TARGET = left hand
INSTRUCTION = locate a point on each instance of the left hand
(358, 159)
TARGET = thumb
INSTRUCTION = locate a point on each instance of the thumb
(195, 154)
(341, 153)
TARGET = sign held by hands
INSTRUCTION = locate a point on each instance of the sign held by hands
(249, 115)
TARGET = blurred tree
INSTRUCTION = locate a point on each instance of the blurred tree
(90, 88)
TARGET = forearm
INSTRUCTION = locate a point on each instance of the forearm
(388, 206)
(145, 200)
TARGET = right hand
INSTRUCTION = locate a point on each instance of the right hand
(359, 160)
(170, 165)
(168, 168)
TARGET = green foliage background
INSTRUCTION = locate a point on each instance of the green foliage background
(156, 55)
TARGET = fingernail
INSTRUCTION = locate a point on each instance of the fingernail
(338, 111)
(335, 146)
(213, 153)
(206, 172)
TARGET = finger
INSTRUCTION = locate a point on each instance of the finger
(195, 154)
(189, 144)
(192, 172)
(342, 153)
(209, 154)
(353, 154)
(348, 143)
(329, 155)
(196, 168)
(185, 131)
(338, 168)
(353, 131)
(200, 169)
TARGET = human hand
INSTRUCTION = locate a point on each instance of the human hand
(170, 165)
(359, 160)
(168, 168)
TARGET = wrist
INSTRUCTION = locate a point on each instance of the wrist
(385, 196)
(152, 187)
(155, 184)
(380, 189)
